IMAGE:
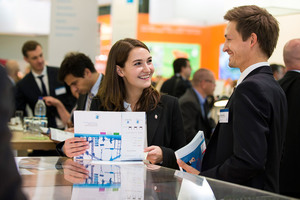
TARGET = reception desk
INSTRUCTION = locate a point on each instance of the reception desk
(62, 178)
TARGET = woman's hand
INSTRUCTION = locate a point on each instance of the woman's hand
(154, 154)
(75, 146)
(187, 167)
(74, 172)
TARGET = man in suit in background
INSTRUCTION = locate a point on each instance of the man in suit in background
(10, 184)
(246, 146)
(194, 105)
(278, 71)
(179, 83)
(290, 163)
(42, 81)
(78, 71)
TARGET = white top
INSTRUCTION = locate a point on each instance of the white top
(250, 69)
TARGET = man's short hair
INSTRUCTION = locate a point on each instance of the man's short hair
(75, 63)
(253, 19)
(200, 75)
(29, 46)
(276, 67)
(179, 63)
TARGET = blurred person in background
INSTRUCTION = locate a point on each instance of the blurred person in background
(42, 81)
(278, 71)
(13, 69)
(290, 83)
(195, 107)
(179, 83)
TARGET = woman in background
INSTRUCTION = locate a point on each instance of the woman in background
(127, 87)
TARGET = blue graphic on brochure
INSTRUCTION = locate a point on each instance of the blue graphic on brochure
(193, 152)
(112, 136)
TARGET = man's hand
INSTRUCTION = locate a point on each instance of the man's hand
(51, 101)
(187, 168)
(75, 146)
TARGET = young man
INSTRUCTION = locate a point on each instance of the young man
(179, 83)
(246, 145)
(42, 81)
(78, 71)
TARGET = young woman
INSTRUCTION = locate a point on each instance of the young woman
(127, 87)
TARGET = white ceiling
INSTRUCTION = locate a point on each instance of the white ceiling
(205, 13)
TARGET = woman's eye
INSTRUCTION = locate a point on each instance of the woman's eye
(137, 63)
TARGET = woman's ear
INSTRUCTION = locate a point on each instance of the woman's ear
(119, 71)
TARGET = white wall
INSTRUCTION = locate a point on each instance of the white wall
(289, 29)
(11, 46)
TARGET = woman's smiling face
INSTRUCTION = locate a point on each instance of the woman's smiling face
(138, 69)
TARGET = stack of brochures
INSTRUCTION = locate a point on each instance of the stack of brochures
(193, 152)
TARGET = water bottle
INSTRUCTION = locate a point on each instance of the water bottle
(40, 108)
(40, 113)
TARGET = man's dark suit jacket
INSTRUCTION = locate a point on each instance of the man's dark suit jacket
(175, 86)
(28, 93)
(247, 149)
(10, 182)
(193, 121)
(164, 128)
(290, 163)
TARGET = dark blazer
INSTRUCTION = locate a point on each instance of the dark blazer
(10, 182)
(164, 128)
(175, 86)
(27, 92)
(247, 149)
(81, 101)
(290, 164)
(193, 121)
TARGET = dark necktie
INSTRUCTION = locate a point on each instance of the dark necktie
(44, 91)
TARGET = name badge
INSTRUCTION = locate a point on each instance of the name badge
(60, 91)
(224, 115)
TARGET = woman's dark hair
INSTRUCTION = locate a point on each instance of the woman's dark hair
(112, 92)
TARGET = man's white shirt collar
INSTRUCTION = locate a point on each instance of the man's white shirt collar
(95, 87)
(250, 69)
(295, 70)
(44, 72)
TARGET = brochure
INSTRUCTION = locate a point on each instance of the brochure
(59, 135)
(112, 136)
(193, 152)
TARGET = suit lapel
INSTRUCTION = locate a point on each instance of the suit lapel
(153, 118)
(81, 102)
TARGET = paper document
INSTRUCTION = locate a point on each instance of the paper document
(192, 153)
(192, 186)
(112, 136)
(60, 135)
